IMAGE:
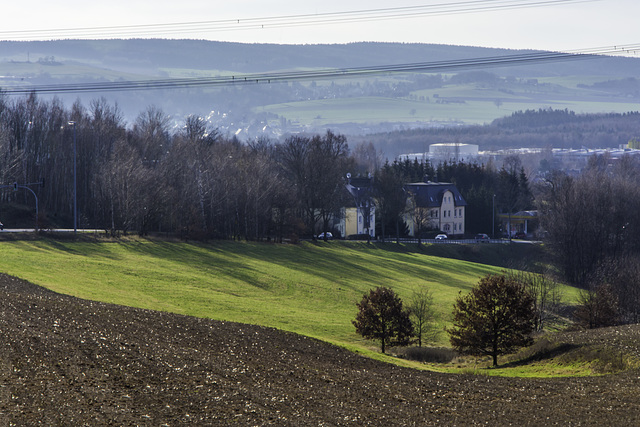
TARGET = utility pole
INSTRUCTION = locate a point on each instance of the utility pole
(75, 182)
(493, 218)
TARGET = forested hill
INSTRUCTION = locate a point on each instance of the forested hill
(151, 55)
(531, 128)
(353, 106)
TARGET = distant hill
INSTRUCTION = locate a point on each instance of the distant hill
(379, 103)
(150, 55)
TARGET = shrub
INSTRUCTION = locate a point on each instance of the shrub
(427, 354)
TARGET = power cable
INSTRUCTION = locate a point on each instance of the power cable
(346, 17)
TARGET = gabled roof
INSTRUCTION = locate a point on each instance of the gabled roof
(360, 189)
(430, 194)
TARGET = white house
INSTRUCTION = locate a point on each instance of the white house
(435, 206)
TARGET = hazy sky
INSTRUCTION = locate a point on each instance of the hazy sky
(558, 25)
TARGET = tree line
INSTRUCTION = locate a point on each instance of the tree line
(543, 128)
(592, 226)
(190, 179)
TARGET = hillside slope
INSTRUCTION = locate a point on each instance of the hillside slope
(451, 94)
(67, 361)
(150, 55)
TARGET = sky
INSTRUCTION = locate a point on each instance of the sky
(557, 25)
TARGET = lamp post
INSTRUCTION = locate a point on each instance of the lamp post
(493, 218)
(75, 185)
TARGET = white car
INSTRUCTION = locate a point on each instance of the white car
(328, 233)
(441, 237)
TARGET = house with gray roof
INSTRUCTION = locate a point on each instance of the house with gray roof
(434, 206)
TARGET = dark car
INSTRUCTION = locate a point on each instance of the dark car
(482, 238)
(520, 235)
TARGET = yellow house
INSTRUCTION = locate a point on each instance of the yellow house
(434, 206)
(359, 216)
(353, 222)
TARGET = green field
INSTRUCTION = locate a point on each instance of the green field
(473, 111)
(309, 289)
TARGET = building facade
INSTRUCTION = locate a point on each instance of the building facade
(434, 206)
(358, 216)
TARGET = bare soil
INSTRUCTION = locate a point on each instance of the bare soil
(66, 361)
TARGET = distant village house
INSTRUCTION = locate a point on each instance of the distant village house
(435, 206)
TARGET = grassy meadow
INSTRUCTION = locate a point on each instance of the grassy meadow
(473, 111)
(310, 288)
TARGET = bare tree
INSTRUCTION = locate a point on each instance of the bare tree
(622, 275)
(316, 167)
(546, 292)
(597, 307)
(590, 218)
(366, 158)
(151, 132)
(424, 316)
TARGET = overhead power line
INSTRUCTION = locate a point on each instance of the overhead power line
(272, 22)
(323, 74)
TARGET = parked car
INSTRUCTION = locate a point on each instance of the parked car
(441, 237)
(328, 233)
(1, 226)
(520, 235)
(482, 238)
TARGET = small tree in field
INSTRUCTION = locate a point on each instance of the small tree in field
(424, 316)
(496, 317)
(597, 307)
(381, 316)
(545, 291)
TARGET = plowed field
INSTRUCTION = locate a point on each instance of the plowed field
(66, 361)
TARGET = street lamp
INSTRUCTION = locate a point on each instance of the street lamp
(75, 185)
(493, 218)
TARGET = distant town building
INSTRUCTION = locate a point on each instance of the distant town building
(453, 152)
(450, 152)
(567, 158)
